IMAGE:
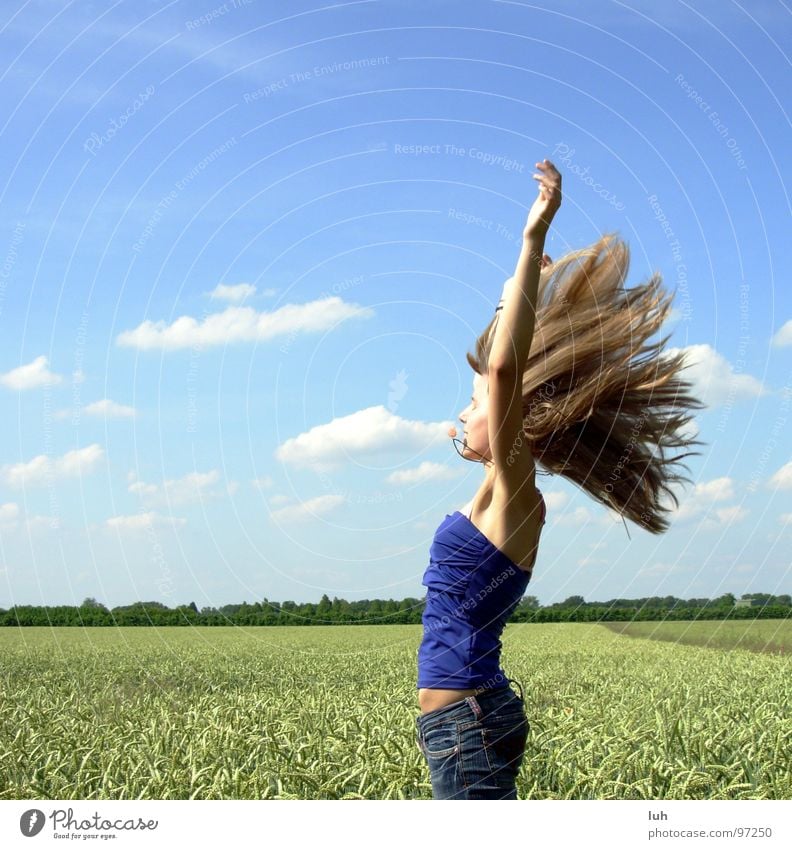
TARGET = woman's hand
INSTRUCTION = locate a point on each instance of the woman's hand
(546, 205)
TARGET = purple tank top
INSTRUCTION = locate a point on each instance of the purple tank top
(472, 588)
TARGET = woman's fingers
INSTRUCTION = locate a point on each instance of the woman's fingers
(549, 179)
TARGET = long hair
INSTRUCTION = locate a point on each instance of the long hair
(601, 404)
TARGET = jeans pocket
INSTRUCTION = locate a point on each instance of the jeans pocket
(440, 740)
(504, 744)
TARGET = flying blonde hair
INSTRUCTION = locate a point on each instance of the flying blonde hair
(602, 405)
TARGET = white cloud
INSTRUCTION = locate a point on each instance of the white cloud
(783, 477)
(278, 500)
(658, 569)
(78, 376)
(313, 508)
(593, 561)
(722, 517)
(234, 294)
(555, 500)
(785, 518)
(241, 324)
(40, 469)
(47, 523)
(9, 514)
(704, 495)
(713, 377)
(141, 521)
(109, 409)
(105, 408)
(578, 516)
(784, 336)
(425, 472)
(735, 513)
(193, 487)
(30, 376)
(264, 482)
(367, 432)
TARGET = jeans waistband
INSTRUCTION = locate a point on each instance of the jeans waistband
(473, 706)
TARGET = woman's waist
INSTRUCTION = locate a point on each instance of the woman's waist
(439, 701)
(431, 698)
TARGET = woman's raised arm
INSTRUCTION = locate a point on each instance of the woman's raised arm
(513, 332)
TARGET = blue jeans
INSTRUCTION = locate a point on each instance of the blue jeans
(474, 747)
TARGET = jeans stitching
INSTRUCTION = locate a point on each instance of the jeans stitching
(443, 753)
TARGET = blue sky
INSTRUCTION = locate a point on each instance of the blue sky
(245, 247)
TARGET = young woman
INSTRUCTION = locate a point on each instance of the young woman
(555, 382)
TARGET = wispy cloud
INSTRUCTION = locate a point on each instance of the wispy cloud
(784, 336)
(9, 514)
(241, 324)
(192, 488)
(42, 468)
(102, 409)
(311, 509)
(578, 516)
(11, 518)
(109, 409)
(30, 376)
(427, 471)
(235, 294)
(783, 477)
(142, 521)
(367, 432)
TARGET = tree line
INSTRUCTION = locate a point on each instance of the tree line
(408, 611)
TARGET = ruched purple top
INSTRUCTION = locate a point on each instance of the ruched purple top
(472, 588)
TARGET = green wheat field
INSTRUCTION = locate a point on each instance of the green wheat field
(662, 711)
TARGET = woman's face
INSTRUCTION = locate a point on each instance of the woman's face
(474, 419)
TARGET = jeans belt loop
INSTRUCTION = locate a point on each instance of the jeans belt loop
(474, 706)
